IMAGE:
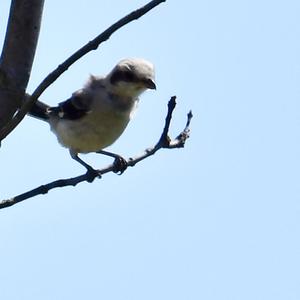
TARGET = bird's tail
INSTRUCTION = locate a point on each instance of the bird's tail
(40, 111)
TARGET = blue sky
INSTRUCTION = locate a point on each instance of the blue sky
(219, 219)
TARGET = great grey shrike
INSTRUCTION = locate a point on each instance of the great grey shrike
(96, 115)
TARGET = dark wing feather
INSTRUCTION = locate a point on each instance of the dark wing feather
(74, 108)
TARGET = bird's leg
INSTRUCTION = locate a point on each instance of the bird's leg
(120, 163)
(91, 172)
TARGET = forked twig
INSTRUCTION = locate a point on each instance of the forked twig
(164, 142)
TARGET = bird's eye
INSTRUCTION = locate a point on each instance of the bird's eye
(122, 75)
(128, 76)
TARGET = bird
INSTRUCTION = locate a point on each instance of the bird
(95, 116)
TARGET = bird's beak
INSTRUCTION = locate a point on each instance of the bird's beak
(150, 84)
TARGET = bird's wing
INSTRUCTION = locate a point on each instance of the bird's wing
(73, 108)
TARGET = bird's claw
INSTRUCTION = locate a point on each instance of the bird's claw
(91, 174)
(120, 165)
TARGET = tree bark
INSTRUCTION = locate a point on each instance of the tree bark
(17, 55)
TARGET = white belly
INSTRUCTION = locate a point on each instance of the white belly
(91, 133)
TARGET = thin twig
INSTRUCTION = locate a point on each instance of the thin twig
(178, 142)
(92, 45)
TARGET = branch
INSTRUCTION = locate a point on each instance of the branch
(17, 55)
(92, 45)
(164, 142)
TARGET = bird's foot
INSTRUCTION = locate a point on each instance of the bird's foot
(91, 174)
(120, 165)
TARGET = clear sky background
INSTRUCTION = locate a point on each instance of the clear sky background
(219, 219)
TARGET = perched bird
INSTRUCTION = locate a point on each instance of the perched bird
(96, 115)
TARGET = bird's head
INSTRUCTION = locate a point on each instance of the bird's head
(131, 77)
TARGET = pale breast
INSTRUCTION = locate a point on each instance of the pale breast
(93, 132)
